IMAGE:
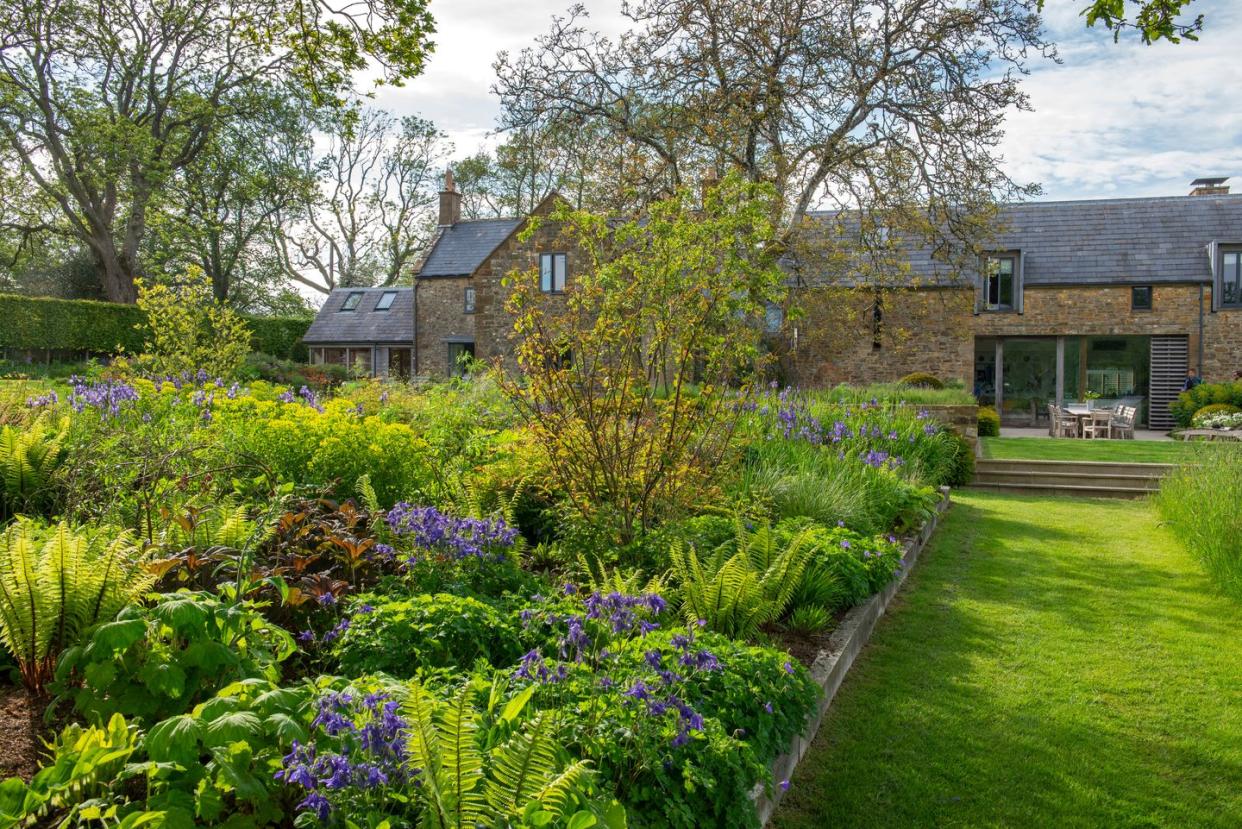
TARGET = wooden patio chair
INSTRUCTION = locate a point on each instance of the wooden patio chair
(1098, 424)
(1122, 423)
(1064, 424)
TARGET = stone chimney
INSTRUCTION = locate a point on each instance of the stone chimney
(450, 202)
(1209, 187)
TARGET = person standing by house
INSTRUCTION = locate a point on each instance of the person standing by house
(1192, 379)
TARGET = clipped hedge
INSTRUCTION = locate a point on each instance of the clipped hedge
(107, 327)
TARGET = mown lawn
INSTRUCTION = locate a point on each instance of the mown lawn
(1052, 662)
(1073, 449)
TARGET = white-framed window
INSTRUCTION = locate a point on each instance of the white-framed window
(469, 300)
(1000, 282)
(385, 300)
(351, 301)
(552, 267)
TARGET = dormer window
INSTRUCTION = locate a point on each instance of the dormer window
(552, 268)
(385, 300)
(351, 301)
(1000, 285)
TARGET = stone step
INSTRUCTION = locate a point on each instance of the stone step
(1088, 479)
(1074, 467)
(1064, 489)
(1149, 481)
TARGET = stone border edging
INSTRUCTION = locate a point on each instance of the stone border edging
(832, 664)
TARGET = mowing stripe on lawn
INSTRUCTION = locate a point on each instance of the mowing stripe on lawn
(1052, 662)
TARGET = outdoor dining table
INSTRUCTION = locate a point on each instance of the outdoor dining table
(1083, 414)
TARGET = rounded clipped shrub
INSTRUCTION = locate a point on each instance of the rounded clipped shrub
(989, 422)
(1213, 409)
(922, 380)
(401, 636)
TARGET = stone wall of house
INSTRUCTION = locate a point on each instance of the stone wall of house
(441, 318)
(926, 330)
(494, 324)
(1222, 341)
(934, 330)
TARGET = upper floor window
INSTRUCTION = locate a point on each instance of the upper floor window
(469, 304)
(552, 273)
(1000, 283)
(1231, 279)
(351, 301)
(385, 300)
(1140, 298)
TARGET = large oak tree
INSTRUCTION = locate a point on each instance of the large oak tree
(103, 103)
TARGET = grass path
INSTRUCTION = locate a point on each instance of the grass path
(1073, 449)
(1051, 662)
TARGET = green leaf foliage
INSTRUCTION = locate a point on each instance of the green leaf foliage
(400, 637)
(161, 660)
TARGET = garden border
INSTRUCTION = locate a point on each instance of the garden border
(833, 663)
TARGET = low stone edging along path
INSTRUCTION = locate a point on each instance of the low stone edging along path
(833, 663)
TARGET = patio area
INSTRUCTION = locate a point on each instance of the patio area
(1042, 432)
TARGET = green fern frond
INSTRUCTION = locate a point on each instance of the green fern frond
(55, 585)
(521, 768)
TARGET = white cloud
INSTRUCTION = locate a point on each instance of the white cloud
(1111, 120)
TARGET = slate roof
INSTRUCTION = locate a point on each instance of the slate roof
(1107, 241)
(364, 324)
(461, 248)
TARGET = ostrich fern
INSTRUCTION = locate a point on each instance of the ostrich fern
(466, 783)
(742, 585)
(55, 584)
(27, 459)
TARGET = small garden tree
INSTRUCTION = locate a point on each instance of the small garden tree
(190, 330)
(632, 381)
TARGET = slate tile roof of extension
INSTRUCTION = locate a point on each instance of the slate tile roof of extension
(364, 324)
(462, 247)
(1108, 241)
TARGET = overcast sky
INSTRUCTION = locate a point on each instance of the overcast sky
(1110, 120)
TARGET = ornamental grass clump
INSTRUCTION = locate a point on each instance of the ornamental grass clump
(1199, 501)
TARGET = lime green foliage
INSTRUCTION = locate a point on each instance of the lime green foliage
(1202, 503)
(473, 775)
(951, 395)
(109, 328)
(1074, 449)
(208, 767)
(989, 422)
(1204, 394)
(161, 660)
(922, 380)
(1051, 662)
(55, 583)
(189, 330)
(742, 586)
(404, 636)
(28, 457)
(332, 448)
(85, 761)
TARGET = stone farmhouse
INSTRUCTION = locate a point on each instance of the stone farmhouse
(1114, 298)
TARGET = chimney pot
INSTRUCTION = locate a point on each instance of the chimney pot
(450, 201)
